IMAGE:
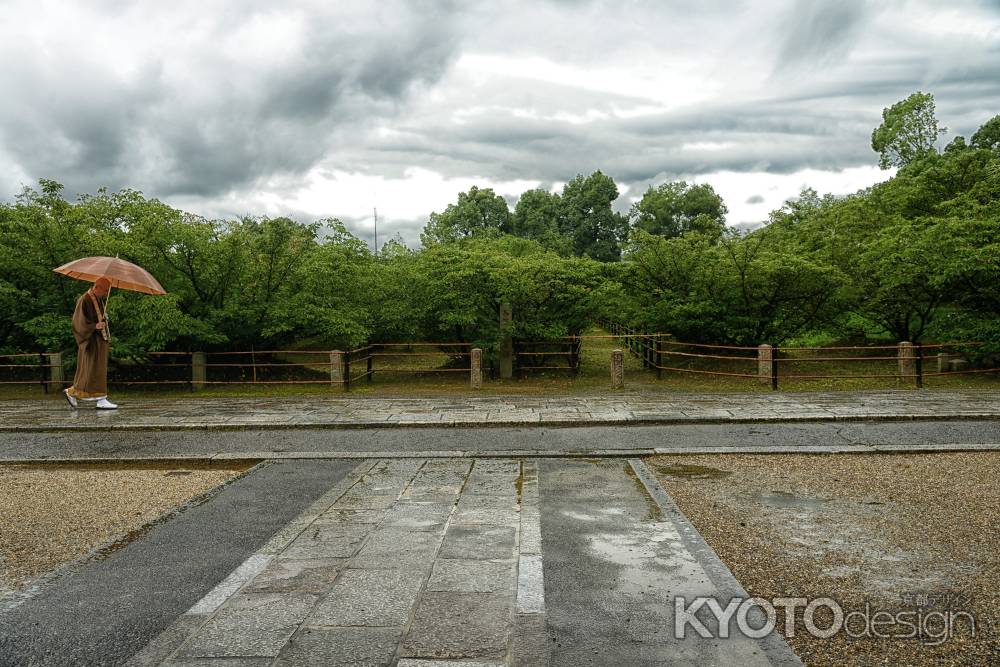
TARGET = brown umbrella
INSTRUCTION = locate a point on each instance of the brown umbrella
(122, 274)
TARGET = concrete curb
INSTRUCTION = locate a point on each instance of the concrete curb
(774, 645)
(542, 423)
(524, 453)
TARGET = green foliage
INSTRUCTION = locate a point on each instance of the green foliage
(908, 130)
(742, 290)
(588, 220)
(479, 213)
(539, 216)
(676, 208)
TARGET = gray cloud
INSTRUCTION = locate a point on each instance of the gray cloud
(818, 33)
(204, 122)
(211, 107)
(755, 199)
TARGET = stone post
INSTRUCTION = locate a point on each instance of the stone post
(198, 370)
(506, 343)
(57, 375)
(617, 369)
(942, 362)
(907, 362)
(336, 367)
(765, 353)
(476, 372)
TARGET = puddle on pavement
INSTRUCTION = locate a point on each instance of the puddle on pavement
(652, 559)
(600, 515)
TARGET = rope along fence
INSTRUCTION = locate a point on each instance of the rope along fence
(198, 370)
(658, 352)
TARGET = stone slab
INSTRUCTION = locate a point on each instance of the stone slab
(471, 576)
(250, 625)
(459, 625)
(340, 647)
(368, 598)
(478, 542)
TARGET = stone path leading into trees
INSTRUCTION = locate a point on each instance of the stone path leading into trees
(199, 413)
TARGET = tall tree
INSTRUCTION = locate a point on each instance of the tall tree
(672, 209)
(537, 216)
(596, 230)
(479, 212)
(908, 130)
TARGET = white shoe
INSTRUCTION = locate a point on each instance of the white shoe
(70, 399)
(104, 404)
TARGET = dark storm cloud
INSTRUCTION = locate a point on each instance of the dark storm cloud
(215, 122)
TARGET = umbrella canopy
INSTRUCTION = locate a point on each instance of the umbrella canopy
(122, 274)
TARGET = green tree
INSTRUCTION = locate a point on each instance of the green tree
(988, 135)
(537, 216)
(908, 131)
(672, 209)
(479, 212)
(596, 230)
(739, 290)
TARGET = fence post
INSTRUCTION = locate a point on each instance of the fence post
(57, 375)
(370, 370)
(942, 362)
(659, 357)
(476, 368)
(506, 343)
(617, 369)
(336, 367)
(43, 375)
(906, 361)
(198, 370)
(920, 366)
(347, 370)
(774, 368)
(765, 354)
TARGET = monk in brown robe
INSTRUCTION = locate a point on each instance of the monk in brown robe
(90, 327)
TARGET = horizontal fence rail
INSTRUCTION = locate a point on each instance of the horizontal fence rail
(198, 370)
(659, 353)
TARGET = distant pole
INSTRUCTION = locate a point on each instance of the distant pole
(376, 230)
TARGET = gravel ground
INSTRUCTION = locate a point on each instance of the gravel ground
(905, 533)
(54, 513)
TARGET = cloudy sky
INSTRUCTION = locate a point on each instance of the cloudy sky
(319, 109)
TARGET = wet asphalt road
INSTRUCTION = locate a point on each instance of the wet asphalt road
(107, 609)
(400, 441)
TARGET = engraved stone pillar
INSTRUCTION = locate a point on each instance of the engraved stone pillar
(907, 362)
(476, 373)
(56, 373)
(336, 367)
(198, 370)
(764, 355)
(617, 369)
(942, 362)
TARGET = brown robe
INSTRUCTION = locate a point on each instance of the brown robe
(91, 379)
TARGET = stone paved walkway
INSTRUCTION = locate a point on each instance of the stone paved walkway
(423, 563)
(324, 412)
